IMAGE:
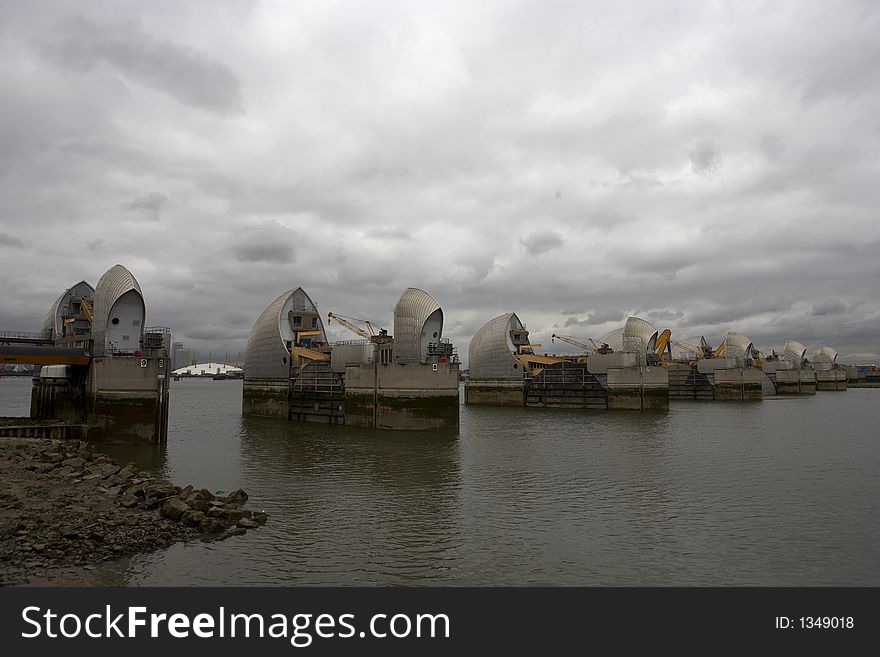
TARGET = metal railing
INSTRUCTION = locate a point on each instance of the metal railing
(164, 330)
(22, 335)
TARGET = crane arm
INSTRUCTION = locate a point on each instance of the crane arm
(86, 308)
(349, 323)
(573, 341)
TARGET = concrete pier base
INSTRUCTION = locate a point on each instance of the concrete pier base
(795, 382)
(494, 393)
(638, 388)
(266, 397)
(402, 396)
(128, 397)
(121, 397)
(738, 384)
(831, 379)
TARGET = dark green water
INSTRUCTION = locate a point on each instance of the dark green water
(780, 492)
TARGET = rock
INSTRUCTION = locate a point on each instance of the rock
(192, 518)
(174, 508)
(200, 505)
(162, 490)
(211, 526)
(127, 472)
(109, 469)
(260, 517)
(151, 503)
(137, 490)
(128, 501)
(70, 533)
(247, 523)
(235, 531)
(234, 515)
(75, 462)
(238, 497)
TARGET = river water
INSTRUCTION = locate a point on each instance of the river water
(780, 492)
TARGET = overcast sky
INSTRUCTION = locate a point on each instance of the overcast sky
(706, 166)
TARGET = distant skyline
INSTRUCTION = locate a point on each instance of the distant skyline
(706, 166)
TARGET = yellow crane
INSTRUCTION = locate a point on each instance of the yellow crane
(662, 344)
(86, 309)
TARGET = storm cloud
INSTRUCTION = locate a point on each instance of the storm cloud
(711, 167)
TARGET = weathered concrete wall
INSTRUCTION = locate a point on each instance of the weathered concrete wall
(808, 382)
(768, 387)
(831, 379)
(710, 365)
(739, 384)
(128, 397)
(788, 382)
(795, 382)
(633, 388)
(494, 393)
(266, 397)
(411, 396)
(601, 363)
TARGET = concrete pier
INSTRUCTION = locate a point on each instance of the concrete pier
(129, 397)
(498, 392)
(121, 389)
(639, 388)
(831, 379)
(402, 396)
(266, 397)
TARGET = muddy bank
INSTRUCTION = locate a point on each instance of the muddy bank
(63, 506)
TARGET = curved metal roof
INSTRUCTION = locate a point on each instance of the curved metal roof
(412, 312)
(737, 345)
(794, 350)
(490, 355)
(52, 323)
(613, 339)
(688, 348)
(825, 354)
(267, 354)
(638, 335)
(115, 282)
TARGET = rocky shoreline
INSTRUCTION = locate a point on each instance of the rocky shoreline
(63, 505)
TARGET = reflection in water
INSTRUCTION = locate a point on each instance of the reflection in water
(394, 495)
(775, 493)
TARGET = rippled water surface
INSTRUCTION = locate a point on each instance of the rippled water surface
(781, 492)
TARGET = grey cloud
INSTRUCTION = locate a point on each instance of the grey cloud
(606, 315)
(268, 242)
(664, 315)
(705, 159)
(735, 185)
(11, 240)
(772, 146)
(541, 242)
(830, 307)
(574, 321)
(181, 72)
(148, 205)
